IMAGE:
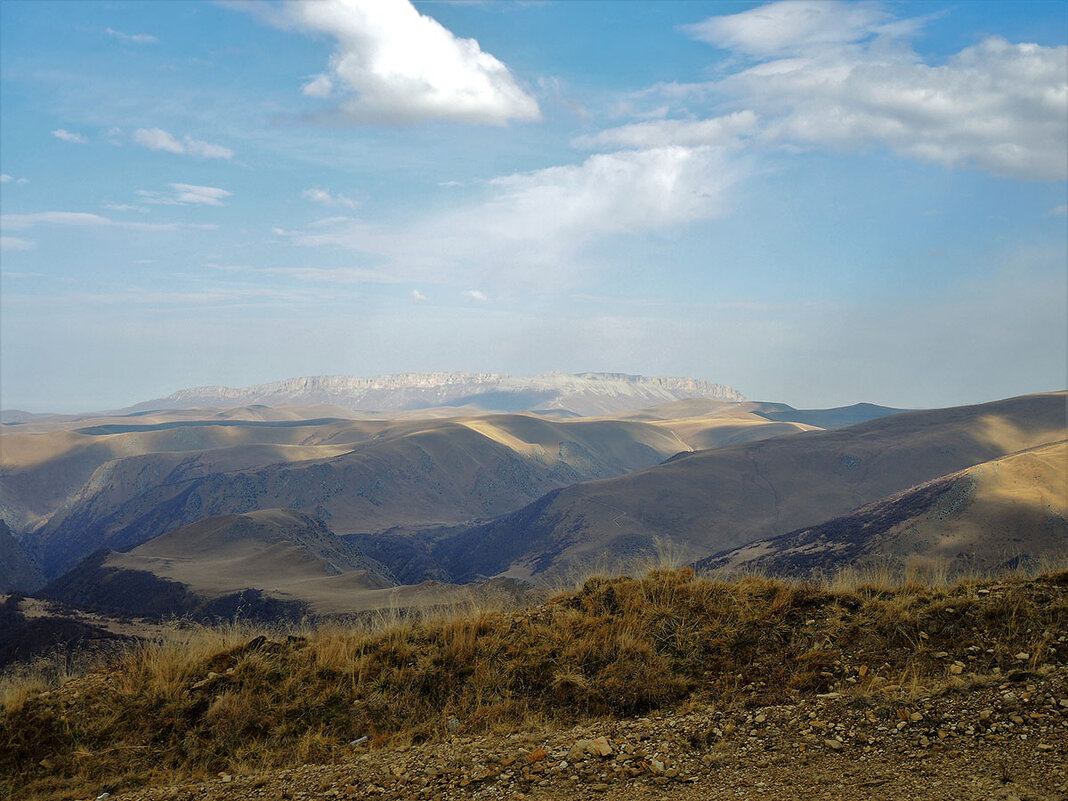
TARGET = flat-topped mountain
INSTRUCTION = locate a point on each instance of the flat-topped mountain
(583, 393)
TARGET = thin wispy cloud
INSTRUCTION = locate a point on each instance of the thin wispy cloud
(134, 38)
(70, 136)
(418, 296)
(723, 130)
(325, 198)
(536, 229)
(15, 243)
(318, 275)
(159, 139)
(185, 194)
(124, 207)
(9, 179)
(78, 219)
(476, 295)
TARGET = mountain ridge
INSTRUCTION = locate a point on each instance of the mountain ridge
(592, 393)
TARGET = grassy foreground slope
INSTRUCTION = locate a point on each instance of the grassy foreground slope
(229, 702)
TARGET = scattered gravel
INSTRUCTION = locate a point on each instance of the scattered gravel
(1003, 738)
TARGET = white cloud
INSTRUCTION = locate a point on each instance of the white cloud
(394, 65)
(7, 179)
(325, 275)
(324, 197)
(658, 133)
(1059, 211)
(206, 195)
(70, 136)
(792, 25)
(319, 86)
(78, 219)
(832, 76)
(418, 296)
(159, 139)
(476, 295)
(15, 243)
(135, 38)
(185, 194)
(123, 207)
(536, 229)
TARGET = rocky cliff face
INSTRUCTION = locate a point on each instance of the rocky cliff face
(583, 393)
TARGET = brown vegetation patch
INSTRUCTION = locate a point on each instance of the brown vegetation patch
(224, 701)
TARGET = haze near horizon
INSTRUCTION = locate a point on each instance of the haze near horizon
(817, 203)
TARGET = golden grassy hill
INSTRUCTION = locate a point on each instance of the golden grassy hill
(981, 518)
(116, 482)
(713, 500)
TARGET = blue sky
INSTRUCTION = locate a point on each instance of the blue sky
(818, 203)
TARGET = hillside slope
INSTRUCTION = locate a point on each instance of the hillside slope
(650, 688)
(993, 515)
(18, 571)
(709, 501)
(203, 568)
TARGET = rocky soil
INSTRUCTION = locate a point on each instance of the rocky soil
(997, 736)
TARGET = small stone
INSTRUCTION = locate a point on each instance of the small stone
(226, 778)
(834, 745)
(986, 714)
(453, 725)
(578, 751)
(1044, 747)
(956, 668)
(940, 654)
(760, 718)
(600, 747)
(600, 787)
(656, 767)
(537, 755)
(916, 717)
(1023, 656)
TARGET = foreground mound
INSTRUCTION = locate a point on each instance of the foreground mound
(615, 648)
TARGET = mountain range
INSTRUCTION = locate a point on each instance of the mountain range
(287, 510)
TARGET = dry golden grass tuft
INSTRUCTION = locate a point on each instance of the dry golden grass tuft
(207, 700)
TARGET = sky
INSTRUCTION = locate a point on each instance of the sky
(817, 203)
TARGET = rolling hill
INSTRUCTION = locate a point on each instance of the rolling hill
(290, 562)
(993, 515)
(78, 485)
(713, 500)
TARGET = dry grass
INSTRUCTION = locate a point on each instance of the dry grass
(206, 700)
